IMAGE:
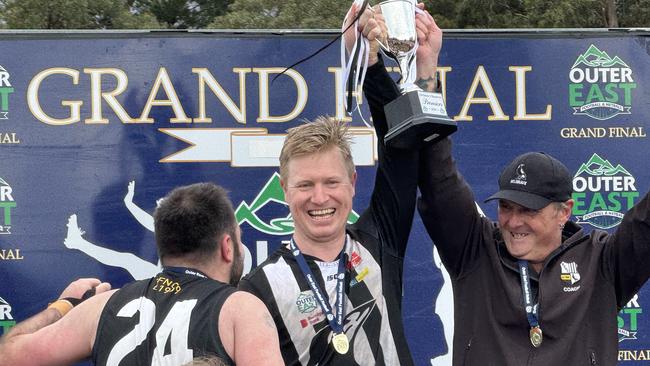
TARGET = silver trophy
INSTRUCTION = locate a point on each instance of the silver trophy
(417, 117)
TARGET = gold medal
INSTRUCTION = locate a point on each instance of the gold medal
(536, 336)
(340, 343)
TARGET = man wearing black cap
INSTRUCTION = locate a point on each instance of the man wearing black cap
(534, 288)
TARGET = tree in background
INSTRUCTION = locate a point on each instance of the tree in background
(567, 14)
(286, 14)
(490, 13)
(317, 14)
(182, 14)
(633, 13)
(72, 14)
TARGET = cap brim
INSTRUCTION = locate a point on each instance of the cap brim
(525, 199)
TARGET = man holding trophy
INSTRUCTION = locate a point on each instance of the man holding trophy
(335, 291)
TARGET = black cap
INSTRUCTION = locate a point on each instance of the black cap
(534, 180)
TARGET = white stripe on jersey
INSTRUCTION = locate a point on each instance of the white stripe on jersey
(286, 293)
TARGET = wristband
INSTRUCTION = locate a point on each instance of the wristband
(63, 306)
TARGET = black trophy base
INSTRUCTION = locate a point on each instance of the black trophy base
(412, 125)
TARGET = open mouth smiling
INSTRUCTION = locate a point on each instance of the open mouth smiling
(322, 213)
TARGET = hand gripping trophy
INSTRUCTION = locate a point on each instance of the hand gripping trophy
(417, 117)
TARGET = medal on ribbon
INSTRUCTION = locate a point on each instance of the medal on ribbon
(335, 313)
(341, 343)
(535, 333)
(536, 336)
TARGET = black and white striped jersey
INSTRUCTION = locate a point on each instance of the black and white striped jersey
(374, 262)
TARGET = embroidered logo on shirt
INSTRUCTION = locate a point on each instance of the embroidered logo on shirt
(570, 274)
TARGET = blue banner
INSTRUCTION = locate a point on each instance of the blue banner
(95, 128)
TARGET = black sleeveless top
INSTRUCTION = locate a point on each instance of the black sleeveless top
(165, 320)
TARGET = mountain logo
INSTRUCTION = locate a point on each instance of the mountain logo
(601, 86)
(271, 193)
(602, 193)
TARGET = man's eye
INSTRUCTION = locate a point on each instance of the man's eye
(530, 212)
(303, 186)
(332, 184)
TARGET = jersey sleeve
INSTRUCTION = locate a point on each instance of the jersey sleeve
(448, 209)
(392, 203)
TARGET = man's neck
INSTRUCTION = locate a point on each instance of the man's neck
(212, 271)
(325, 251)
(537, 267)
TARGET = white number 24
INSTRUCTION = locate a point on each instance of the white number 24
(175, 325)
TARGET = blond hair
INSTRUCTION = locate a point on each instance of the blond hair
(313, 137)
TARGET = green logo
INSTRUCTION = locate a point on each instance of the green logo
(6, 204)
(627, 320)
(271, 192)
(6, 320)
(306, 302)
(602, 193)
(5, 91)
(601, 86)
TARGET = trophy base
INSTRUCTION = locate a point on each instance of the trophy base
(416, 119)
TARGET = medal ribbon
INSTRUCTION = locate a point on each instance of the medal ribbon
(531, 309)
(336, 322)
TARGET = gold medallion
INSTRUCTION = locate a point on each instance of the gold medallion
(536, 336)
(340, 343)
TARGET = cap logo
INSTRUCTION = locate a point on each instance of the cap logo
(520, 178)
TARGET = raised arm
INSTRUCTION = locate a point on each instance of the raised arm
(448, 210)
(627, 252)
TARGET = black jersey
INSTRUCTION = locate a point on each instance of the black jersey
(374, 258)
(165, 320)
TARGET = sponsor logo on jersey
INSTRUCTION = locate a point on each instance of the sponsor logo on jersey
(312, 319)
(602, 193)
(355, 260)
(600, 86)
(359, 277)
(306, 302)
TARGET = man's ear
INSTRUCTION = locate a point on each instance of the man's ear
(283, 184)
(226, 248)
(569, 208)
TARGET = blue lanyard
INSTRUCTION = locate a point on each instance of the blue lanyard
(531, 309)
(336, 322)
(185, 270)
